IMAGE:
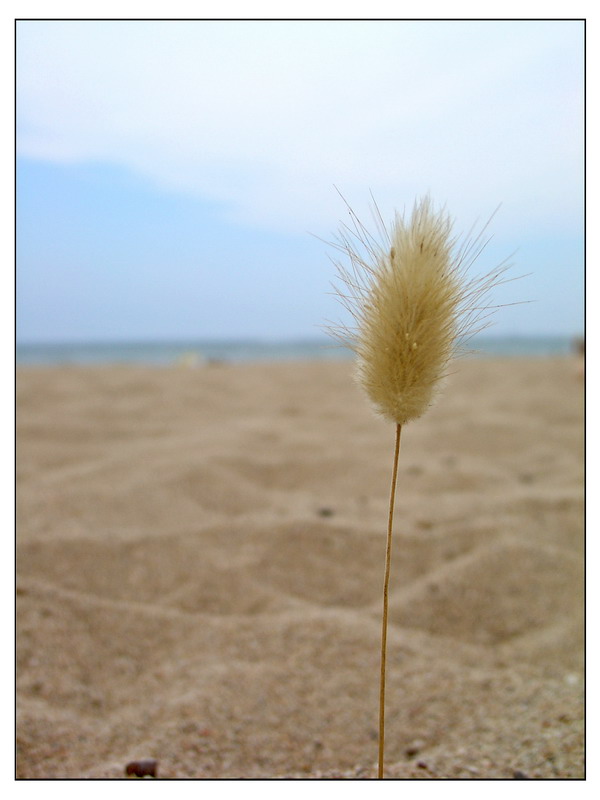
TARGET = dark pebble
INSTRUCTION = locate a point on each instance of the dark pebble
(326, 512)
(146, 766)
(520, 776)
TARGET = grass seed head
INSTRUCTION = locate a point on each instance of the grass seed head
(412, 304)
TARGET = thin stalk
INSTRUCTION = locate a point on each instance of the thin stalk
(386, 583)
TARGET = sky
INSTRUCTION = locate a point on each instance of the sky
(180, 179)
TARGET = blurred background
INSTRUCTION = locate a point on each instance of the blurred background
(175, 179)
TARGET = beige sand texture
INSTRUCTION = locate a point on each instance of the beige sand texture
(200, 559)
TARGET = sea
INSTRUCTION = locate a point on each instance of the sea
(205, 351)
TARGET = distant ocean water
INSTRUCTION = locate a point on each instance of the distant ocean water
(201, 351)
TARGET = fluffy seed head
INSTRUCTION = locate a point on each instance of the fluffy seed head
(412, 305)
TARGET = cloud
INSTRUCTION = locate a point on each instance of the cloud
(263, 117)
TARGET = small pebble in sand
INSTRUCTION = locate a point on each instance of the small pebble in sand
(325, 512)
(144, 768)
(413, 748)
(520, 776)
(526, 477)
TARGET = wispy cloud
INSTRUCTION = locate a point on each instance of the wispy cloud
(265, 116)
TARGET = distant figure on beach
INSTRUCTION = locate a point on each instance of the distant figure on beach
(190, 359)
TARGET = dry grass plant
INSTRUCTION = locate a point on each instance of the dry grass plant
(414, 308)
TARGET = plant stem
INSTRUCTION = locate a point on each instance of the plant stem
(386, 583)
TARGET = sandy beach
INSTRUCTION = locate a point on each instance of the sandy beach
(200, 557)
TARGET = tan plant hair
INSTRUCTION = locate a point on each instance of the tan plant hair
(412, 303)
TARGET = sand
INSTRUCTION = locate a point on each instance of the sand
(200, 557)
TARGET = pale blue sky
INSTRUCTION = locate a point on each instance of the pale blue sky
(170, 174)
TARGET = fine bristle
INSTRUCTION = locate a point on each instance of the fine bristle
(412, 304)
